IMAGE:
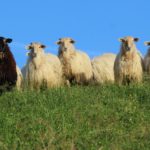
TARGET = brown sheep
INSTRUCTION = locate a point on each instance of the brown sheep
(8, 73)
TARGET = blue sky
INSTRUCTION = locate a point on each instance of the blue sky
(95, 25)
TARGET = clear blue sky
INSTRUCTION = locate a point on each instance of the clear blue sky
(96, 25)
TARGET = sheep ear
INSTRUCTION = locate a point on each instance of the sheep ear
(58, 42)
(43, 46)
(121, 40)
(147, 43)
(136, 39)
(8, 40)
(72, 41)
(28, 47)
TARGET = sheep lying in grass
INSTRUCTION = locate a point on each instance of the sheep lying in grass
(76, 65)
(147, 59)
(128, 64)
(103, 68)
(42, 69)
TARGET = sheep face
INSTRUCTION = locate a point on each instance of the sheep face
(3, 45)
(35, 49)
(65, 45)
(147, 44)
(128, 43)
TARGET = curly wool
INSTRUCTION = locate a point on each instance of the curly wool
(19, 81)
(103, 71)
(147, 62)
(43, 70)
(76, 64)
(128, 66)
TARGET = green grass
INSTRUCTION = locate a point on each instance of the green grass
(105, 117)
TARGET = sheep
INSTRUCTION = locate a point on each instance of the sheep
(41, 69)
(8, 72)
(19, 82)
(128, 66)
(147, 59)
(103, 71)
(76, 65)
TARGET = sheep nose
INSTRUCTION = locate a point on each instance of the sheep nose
(128, 48)
(34, 55)
(65, 48)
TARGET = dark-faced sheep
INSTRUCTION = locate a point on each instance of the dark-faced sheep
(128, 65)
(76, 65)
(8, 73)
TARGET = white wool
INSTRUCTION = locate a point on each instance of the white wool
(103, 71)
(147, 62)
(76, 64)
(42, 69)
(128, 65)
(19, 78)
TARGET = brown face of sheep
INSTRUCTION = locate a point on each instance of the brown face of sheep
(65, 44)
(3, 45)
(128, 43)
(34, 49)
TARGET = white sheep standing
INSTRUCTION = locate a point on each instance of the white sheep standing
(103, 68)
(76, 65)
(147, 59)
(128, 66)
(42, 69)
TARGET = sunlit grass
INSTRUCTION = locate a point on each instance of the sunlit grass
(105, 117)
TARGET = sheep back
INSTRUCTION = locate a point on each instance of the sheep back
(103, 68)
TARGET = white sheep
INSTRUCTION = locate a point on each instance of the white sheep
(19, 78)
(42, 69)
(147, 59)
(103, 68)
(76, 65)
(128, 66)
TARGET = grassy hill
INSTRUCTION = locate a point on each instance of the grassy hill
(105, 117)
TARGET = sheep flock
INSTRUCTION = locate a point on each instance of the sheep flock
(72, 66)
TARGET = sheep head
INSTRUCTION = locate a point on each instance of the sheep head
(147, 43)
(128, 43)
(65, 45)
(35, 48)
(3, 45)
